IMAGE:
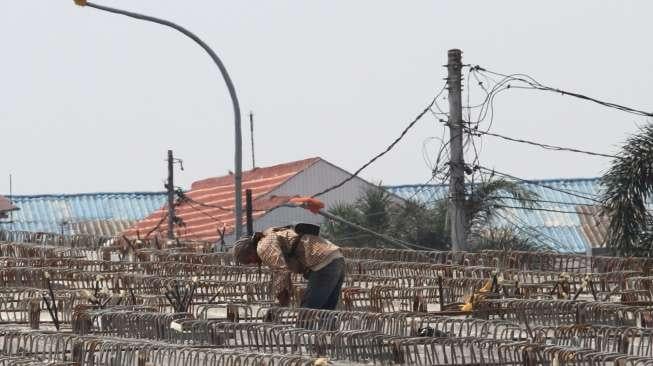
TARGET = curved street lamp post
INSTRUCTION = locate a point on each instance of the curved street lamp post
(230, 87)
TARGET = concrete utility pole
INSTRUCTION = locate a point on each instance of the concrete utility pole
(171, 196)
(457, 161)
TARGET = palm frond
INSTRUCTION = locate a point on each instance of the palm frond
(627, 185)
(488, 198)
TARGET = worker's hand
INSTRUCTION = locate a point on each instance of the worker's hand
(282, 287)
(283, 297)
(312, 204)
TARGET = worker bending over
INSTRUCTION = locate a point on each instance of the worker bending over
(297, 249)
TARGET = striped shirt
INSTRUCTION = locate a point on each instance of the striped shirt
(313, 252)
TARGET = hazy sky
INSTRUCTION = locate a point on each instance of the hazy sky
(91, 101)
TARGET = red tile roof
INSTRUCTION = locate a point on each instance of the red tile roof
(211, 202)
(6, 206)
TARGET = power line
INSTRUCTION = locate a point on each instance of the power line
(543, 201)
(158, 225)
(539, 144)
(537, 85)
(387, 238)
(543, 209)
(549, 237)
(204, 213)
(542, 244)
(421, 188)
(538, 184)
(329, 216)
(183, 197)
(390, 147)
(527, 228)
(475, 131)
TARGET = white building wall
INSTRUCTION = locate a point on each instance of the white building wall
(312, 180)
(318, 177)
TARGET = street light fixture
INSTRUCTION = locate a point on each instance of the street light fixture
(230, 87)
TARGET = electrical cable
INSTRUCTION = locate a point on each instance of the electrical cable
(423, 187)
(544, 201)
(542, 209)
(539, 184)
(542, 145)
(184, 197)
(397, 242)
(158, 225)
(526, 230)
(549, 237)
(204, 213)
(537, 85)
(390, 147)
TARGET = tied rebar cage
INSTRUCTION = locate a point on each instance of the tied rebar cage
(117, 301)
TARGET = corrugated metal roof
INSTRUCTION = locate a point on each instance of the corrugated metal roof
(212, 202)
(84, 213)
(574, 226)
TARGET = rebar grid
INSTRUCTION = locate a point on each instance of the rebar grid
(121, 296)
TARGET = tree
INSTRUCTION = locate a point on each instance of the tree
(487, 200)
(627, 185)
(425, 224)
(376, 209)
(505, 239)
(417, 223)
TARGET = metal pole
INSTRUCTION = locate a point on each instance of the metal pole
(457, 162)
(11, 201)
(171, 196)
(232, 93)
(251, 136)
(248, 210)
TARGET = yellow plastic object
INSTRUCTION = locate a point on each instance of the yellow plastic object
(486, 287)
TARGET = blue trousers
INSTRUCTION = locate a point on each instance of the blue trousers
(323, 290)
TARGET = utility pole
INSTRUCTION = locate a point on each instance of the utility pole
(11, 201)
(171, 197)
(457, 161)
(251, 136)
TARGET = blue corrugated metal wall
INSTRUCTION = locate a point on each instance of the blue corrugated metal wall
(561, 231)
(85, 213)
(111, 213)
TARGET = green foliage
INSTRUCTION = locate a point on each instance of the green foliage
(344, 234)
(628, 184)
(376, 209)
(487, 198)
(417, 223)
(484, 203)
(427, 225)
(504, 239)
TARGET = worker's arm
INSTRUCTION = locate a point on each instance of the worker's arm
(282, 287)
(270, 251)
